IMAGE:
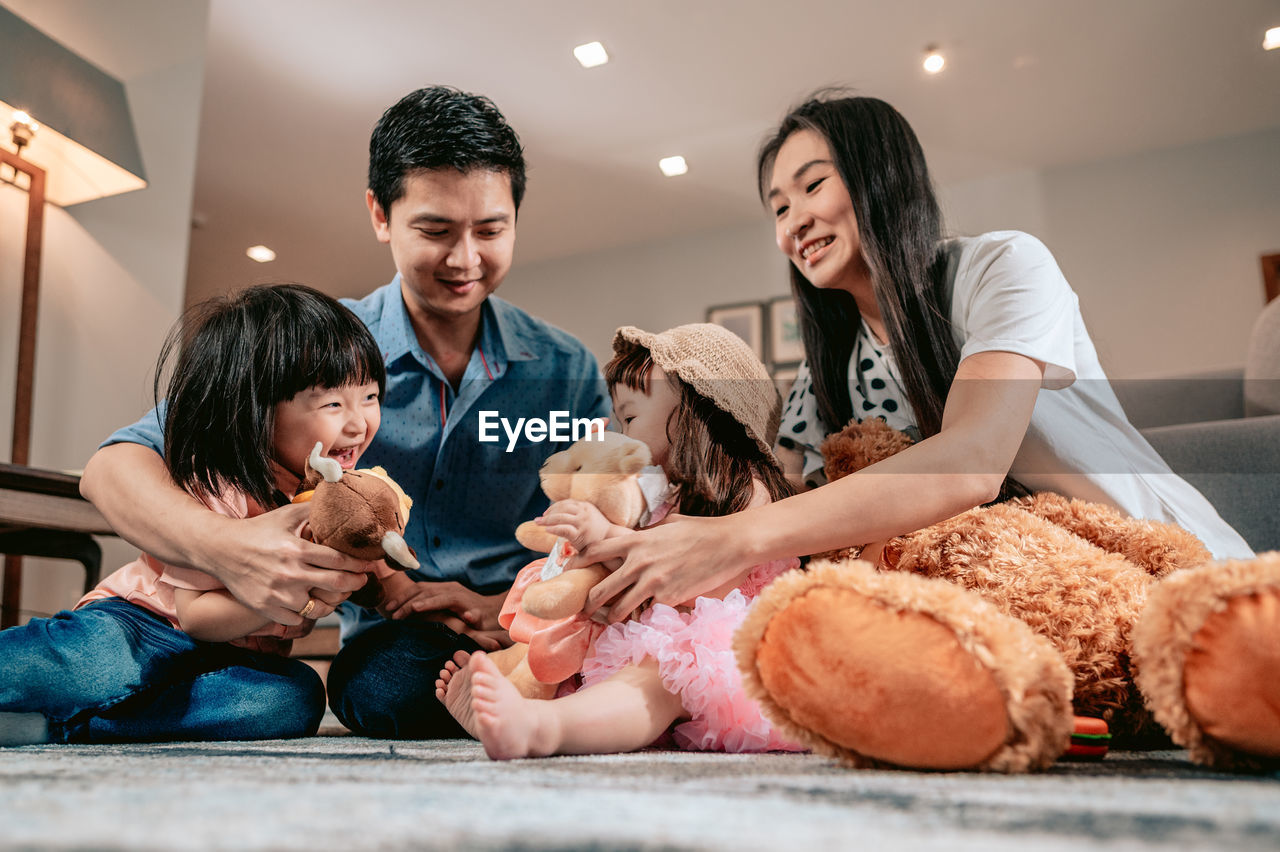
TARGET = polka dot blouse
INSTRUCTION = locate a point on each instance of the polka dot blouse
(873, 388)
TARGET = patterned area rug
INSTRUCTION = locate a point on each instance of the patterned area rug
(350, 792)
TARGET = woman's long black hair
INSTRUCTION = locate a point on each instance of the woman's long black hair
(880, 161)
(233, 359)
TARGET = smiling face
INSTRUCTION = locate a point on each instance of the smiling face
(814, 222)
(644, 416)
(343, 420)
(452, 235)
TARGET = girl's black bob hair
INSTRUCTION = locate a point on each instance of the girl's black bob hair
(233, 359)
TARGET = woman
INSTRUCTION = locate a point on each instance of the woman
(954, 339)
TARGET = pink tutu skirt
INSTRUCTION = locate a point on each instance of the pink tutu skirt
(694, 652)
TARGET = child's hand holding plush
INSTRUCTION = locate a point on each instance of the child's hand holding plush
(578, 522)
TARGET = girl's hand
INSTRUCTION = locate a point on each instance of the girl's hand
(671, 563)
(261, 559)
(577, 521)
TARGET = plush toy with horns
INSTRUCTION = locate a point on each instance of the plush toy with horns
(362, 513)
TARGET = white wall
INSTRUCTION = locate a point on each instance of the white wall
(653, 286)
(1162, 248)
(1190, 225)
(113, 270)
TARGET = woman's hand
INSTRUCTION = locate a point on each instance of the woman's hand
(671, 563)
(577, 521)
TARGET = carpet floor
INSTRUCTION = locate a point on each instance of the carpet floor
(353, 793)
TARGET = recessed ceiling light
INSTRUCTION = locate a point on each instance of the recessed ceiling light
(591, 55)
(672, 166)
(933, 59)
(1271, 40)
(262, 254)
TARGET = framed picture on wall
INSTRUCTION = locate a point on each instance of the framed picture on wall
(785, 345)
(1271, 276)
(745, 319)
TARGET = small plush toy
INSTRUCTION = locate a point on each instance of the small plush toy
(543, 610)
(972, 644)
(362, 513)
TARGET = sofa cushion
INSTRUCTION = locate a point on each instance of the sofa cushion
(1235, 464)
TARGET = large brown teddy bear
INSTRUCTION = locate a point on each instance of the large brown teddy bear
(972, 643)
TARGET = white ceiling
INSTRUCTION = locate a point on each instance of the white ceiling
(293, 88)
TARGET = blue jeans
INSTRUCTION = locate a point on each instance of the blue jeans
(383, 681)
(114, 672)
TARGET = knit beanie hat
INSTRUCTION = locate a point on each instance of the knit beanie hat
(720, 366)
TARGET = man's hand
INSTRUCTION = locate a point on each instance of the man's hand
(271, 570)
(454, 605)
(261, 560)
(577, 521)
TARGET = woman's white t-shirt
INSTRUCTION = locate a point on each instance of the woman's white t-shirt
(1008, 295)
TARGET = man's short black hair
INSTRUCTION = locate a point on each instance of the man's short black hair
(441, 127)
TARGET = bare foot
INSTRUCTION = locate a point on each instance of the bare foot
(453, 688)
(451, 668)
(507, 723)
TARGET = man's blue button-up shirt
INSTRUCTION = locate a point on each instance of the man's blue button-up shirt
(468, 495)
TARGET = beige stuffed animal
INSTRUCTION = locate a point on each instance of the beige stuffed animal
(606, 474)
(543, 610)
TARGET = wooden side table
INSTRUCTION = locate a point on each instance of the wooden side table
(43, 514)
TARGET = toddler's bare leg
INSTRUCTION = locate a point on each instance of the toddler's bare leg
(626, 712)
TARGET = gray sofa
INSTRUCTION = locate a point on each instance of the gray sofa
(1235, 463)
(1221, 432)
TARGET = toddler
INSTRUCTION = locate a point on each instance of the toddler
(708, 411)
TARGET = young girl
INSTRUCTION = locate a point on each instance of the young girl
(706, 408)
(157, 652)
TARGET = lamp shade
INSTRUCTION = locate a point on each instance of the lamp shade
(85, 141)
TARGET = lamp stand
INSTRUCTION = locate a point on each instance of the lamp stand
(21, 448)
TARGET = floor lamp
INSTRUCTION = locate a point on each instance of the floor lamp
(29, 303)
(21, 130)
(71, 139)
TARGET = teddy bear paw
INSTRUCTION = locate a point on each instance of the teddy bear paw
(895, 669)
(1207, 651)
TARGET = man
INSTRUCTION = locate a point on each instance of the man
(446, 177)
